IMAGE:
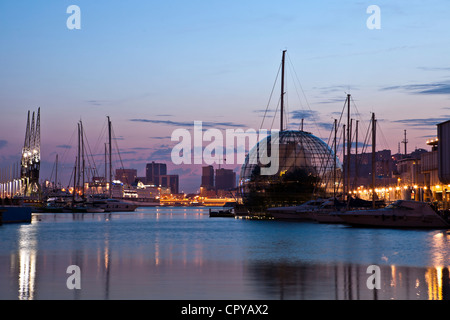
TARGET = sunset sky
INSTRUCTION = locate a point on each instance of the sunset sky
(155, 66)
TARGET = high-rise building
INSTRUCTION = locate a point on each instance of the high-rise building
(127, 176)
(153, 171)
(208, 177)
(225, 179)
(169, 180)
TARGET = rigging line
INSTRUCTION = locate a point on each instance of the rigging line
(379, 130)
(66, 150)
(360, 160)
(270, 97)
(339, 126)
(296, 89)
(53, 169)
(275, 114)
(70, 179)
(325, 157)
(94, 169)
(304, 95)
(363, 151)
(101, 138)
(358, 114)
(286, 106)
(117, 147)
(366, 140)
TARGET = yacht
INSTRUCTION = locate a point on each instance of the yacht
(400, 214)
(328, 212)
(114, 205)
(298, 213)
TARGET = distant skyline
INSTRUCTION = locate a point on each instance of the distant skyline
(155, 66)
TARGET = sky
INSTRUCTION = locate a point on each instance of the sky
(157, 66)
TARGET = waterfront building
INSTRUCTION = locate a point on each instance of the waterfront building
(207, 177)
(307, 167)
(225, 179)
(169, 181)
(127, 176)
(153, 171)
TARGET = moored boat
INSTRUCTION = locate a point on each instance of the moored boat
(400, 214)
(328, 212)
(15, 214)
(113, 205)
(224, 213)
(297, 213)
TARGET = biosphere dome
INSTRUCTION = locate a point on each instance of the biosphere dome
(306, 167)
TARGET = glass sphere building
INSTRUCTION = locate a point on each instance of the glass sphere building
(305, 168)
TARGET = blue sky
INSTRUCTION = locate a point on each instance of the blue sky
(169, 63)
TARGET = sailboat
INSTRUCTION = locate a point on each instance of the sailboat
(107, 202)
(400, 214)
(80, 205)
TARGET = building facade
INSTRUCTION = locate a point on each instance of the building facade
(169, 181)
(127, 176)
(207, 177)
(153, 171)
(225, 179)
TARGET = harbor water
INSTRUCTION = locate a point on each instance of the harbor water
(168, 253)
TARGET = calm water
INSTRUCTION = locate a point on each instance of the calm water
(181, 253)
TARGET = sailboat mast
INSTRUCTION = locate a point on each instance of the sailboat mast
(282, 91)
(344, 186)
(56, 172)
(74, 181)
(356, 154)
(349, 144)
(374, 130)
(82, 155)
(335, 156)
(106, 165)
(77, 175)
(110, 158)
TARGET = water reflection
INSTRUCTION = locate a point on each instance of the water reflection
(159, 257)
(439, 247)
(340, 281)
(27, 262)
(136, 276)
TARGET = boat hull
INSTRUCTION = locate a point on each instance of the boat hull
(15, 214)
(113, 205)
(290, 215)
(326, 217)
(394, 221)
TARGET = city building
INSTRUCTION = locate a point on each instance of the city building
(169, 180)
(429, 165)
(444, 152)
(207, 177)
(127, 176)
(225, 179)
(361, 168)
(153, 171)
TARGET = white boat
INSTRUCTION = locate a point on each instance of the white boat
(114, 205)
(400, 214)
(298, 213)
(83, 208)
(328, 212)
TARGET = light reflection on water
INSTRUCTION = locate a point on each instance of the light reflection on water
(181, 253)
